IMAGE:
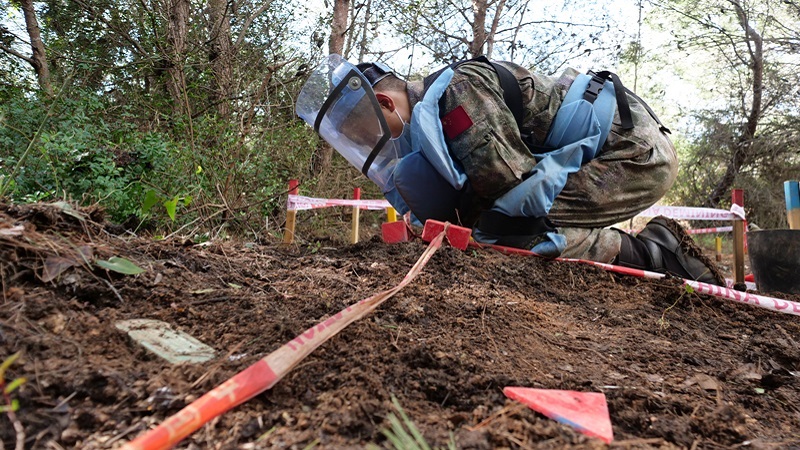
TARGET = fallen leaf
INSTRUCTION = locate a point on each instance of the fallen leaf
(86, 252)
(203, 291)
(67, 209)
(747, 372)
(120, 265)
(55, 266)
(704, 381)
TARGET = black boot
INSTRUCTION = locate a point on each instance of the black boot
(664, 247)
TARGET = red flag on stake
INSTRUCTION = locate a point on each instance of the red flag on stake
(587, 412)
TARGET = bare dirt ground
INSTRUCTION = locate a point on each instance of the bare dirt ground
(679, 370)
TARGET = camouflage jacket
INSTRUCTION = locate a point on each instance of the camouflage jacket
(488, 144)
(491, 149)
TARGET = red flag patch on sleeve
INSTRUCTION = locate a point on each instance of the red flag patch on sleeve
(456, 122)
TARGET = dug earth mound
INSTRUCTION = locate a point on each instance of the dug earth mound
(678, 369)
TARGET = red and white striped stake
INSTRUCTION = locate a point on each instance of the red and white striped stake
(737, 197)
(291, 215)
(269, 370)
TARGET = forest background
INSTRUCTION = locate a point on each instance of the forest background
(179, 114)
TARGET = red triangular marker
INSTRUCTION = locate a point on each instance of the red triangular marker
(585, 411)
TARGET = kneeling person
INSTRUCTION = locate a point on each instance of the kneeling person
(528, 161)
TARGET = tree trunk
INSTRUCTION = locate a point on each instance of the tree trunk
(517, 30)
(742, 147)
(177, 31)
(362, 48)
(338, 26)
(38, 59)
(478, 28)
(341, 8)
(498, 12)
(220, 54)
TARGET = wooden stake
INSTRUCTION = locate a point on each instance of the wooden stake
(291, 215)
(391, 215)
(356, 216)
(737, 197)
(791, 191)
(718, 242)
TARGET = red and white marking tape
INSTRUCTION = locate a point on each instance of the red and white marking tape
(710, 230)
(267, 371)
(694, 231)
(692, 213)
(302, 203)
(774, 304)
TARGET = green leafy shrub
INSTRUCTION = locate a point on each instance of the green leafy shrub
(80, 155)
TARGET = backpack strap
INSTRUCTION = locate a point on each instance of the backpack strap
(622, 100)
(596, 85)
(661, 126)
(512, 94)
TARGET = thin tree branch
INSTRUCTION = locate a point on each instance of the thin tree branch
(249, 21)
(94, 15)
(19, 55)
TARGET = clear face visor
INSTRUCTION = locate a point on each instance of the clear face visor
(338, 101)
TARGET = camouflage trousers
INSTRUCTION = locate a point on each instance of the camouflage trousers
(634, 169)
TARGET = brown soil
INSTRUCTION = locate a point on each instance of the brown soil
(679, 370)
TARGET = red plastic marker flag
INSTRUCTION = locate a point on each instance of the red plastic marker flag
(457, 236)
(587, 412)
(394, 232)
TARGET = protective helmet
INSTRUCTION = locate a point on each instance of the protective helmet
(339, 102)
(375, 71)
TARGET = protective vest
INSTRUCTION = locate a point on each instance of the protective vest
(432, 185)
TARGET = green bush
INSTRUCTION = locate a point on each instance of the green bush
(78, 154)
(168, 170)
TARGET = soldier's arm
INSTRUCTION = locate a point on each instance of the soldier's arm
(481, 132)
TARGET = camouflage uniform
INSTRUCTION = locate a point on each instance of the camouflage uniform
(632, 171)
